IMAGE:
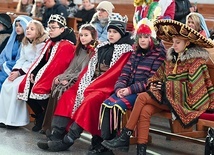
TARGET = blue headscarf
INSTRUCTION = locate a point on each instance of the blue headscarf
(202, 22)
(6, 54)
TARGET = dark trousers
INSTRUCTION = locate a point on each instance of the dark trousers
(38, 106)
(59, 124)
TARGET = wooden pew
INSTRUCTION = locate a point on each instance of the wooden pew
(73, 22)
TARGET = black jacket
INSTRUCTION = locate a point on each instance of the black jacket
(56, 9)
(85, 15)
(182, 10)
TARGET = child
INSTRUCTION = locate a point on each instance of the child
(55, 58)
(11, 52)
(5, 29)
(182, 85)
(84, 51)
(81, 102)
(13, 112)
(143, 63)
(197, 22)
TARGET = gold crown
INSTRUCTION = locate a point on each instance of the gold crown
(58, 18)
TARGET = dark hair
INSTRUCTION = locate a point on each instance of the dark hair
(93, 31)
(53, 21)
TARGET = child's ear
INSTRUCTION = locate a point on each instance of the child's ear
(187, 43)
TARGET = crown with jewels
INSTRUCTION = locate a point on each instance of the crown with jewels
(118, 17)
(58, 18)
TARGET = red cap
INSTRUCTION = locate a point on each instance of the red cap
(144, 29)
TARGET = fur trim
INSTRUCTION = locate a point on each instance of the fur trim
(194, 52)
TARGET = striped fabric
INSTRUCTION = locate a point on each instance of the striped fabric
(189, 92)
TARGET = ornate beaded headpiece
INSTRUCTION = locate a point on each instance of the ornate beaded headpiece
(58, 18)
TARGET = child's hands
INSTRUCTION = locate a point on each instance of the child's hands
(13, 75)
(123, 92)
(64, 82)
(56, 81)
(32, 78)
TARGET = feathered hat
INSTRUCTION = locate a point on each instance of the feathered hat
(145, 26)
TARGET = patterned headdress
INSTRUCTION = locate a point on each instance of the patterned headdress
(166, 29)
(118, 22)
(59, 19)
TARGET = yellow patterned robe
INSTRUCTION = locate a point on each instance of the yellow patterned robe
(190, 91)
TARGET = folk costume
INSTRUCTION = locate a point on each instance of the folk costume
(186, 90)
(14, 112)
(81, 103)
(193, 62)
(142, 64)
(11, 52)
(54, 60)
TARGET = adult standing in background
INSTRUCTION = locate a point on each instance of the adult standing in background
(52, 7)
(100, 19)
(85, 12)
(182, 9)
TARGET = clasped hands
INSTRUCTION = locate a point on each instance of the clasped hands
(63, 82)
(123, 92)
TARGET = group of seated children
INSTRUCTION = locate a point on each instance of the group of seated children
(87, 84)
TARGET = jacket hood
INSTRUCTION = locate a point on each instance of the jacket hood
(193, 52)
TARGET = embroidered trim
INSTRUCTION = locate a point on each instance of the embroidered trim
(24, 96)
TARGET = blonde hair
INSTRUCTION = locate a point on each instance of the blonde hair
(196, 20)
(41, 34)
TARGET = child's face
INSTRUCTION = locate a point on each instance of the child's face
(31, 31)
(179, 44)
(144, 41)
(191, 23)
(19, 29)
(54, 29)
(85, 37)
(113, 35)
